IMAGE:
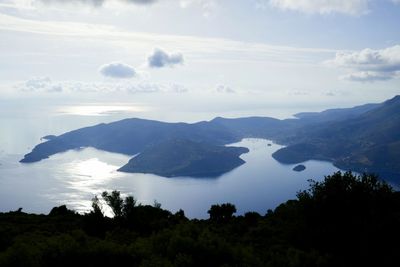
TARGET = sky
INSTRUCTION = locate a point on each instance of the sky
(229, 56)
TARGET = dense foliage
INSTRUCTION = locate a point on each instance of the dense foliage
(345, 220)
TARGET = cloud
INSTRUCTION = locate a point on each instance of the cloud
(86, 2)
(117, 70)
(208, 7)
(97, 3)
(40, 84)
(387, 59)
(296, 92)
(148, 87)
(224, 89)
(46, 85)
(160, 59)
(369, 64)
(348, 7)
(369, 76)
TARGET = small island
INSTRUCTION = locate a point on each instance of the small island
(299, 168)
(179, 157)
(48, 137)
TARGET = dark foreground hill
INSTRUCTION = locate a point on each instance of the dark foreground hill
(364, 138)
(179, 157)
(344, 221)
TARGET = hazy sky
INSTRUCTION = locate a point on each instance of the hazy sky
(201, 53)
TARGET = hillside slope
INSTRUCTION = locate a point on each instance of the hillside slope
(369, 142)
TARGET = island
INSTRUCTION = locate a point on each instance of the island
(48, 137)
(299, 168)
(180, 157)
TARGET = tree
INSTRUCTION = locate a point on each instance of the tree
(114, 201)
(157, 204)
(96, 206)
(222, 213)
(129, 207)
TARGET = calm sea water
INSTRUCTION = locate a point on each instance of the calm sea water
(74, 177)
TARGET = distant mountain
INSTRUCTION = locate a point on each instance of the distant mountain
(363, 138)
(336, 114)
(179, 157)
(369, 142)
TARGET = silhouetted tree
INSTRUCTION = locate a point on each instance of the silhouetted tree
(114, 201)
(157, 204)
(128, 208)
(96, 206)
(221, 213)
(61, 211)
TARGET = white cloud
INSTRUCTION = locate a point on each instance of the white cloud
(369, 64)
(387, 59)
(208, 7)
(348, 7)
(117, 70)
(41, 84)
(160, 59)
(224, 89)
(369, 76)
(201, 45)
(46, 85)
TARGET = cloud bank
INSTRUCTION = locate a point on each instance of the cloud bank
(46, 85)
(369, 64)
(117, 70)
(160, 59)
(348, 7)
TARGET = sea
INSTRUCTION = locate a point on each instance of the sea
(74, 177)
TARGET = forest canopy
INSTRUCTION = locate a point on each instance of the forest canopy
(344, 220)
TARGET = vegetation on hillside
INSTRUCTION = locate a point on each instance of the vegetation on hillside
(345, 220)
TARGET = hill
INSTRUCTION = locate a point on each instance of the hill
(369, 142)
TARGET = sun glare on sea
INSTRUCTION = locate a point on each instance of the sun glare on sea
(89, 177)
(101, 110)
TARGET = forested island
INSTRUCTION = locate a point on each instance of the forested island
(178, 157)
(345, 220)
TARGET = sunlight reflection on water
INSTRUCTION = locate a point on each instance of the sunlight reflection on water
(101, 110)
